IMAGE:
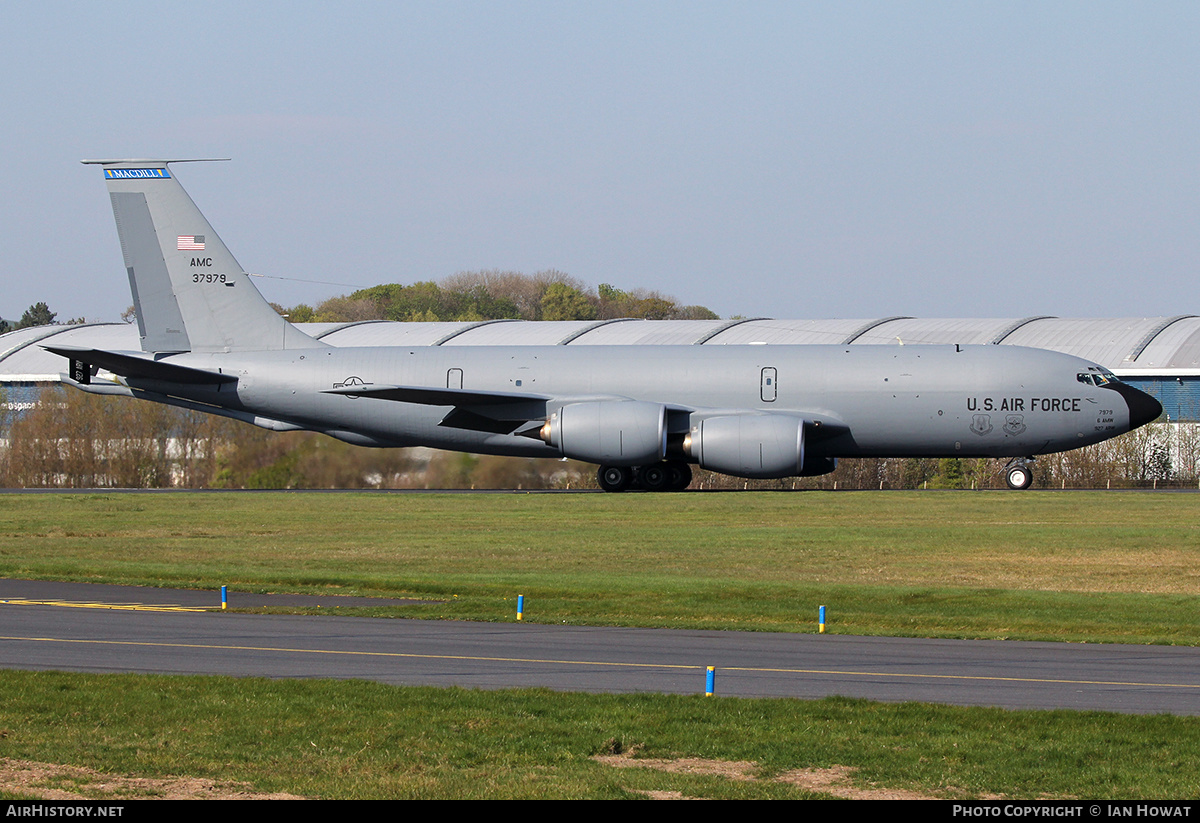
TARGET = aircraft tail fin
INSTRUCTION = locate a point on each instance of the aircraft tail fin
(189, 292)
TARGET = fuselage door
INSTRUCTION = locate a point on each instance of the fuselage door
(767, 389)
(454, 379)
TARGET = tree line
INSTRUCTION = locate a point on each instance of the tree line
(38, 314)
(70, 439)
(467, 296)
(496, 295)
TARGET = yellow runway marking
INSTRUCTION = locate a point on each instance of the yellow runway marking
(83, 604)
(555, 662)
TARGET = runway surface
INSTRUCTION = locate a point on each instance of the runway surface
(121, 629)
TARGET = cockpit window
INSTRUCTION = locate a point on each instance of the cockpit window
(1097, 378)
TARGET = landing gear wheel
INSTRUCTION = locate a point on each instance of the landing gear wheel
(614, 478)
(654, 478)
(680, 475)
(1018, 477)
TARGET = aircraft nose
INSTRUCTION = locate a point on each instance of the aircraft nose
(1143, 408)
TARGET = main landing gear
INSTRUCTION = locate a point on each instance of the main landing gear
(1019, 474)
(668, 476)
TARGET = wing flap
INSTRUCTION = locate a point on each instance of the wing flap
(425, 396)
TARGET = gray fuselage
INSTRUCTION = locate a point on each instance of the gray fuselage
(926, 401)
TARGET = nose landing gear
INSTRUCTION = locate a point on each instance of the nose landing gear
(1019, 474)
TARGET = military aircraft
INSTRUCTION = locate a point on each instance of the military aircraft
(645, 414)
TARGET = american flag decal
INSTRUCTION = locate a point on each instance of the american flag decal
(190, 242)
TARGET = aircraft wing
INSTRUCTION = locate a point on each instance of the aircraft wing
(134, 364)
(496, 412)
(493, 412)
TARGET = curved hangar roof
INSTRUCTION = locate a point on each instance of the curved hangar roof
(1138, 346)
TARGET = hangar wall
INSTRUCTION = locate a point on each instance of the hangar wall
(1160, 355)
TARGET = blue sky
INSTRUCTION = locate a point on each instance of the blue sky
(842, 159)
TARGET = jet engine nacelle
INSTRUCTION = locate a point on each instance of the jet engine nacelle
(611, 432)
(748, 445)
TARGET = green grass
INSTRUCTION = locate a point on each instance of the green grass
(1080, 566)
(336, 739)
(1071, 566)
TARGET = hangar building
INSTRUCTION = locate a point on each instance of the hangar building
(1160, 355)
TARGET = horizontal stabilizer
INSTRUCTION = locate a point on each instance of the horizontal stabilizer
(135, 365)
